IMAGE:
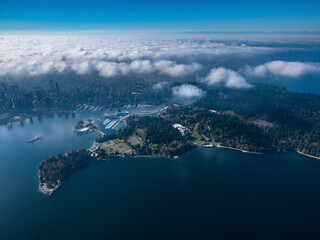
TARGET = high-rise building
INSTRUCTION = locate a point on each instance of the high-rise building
(57, 89)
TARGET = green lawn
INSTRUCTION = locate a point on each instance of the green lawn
(198, 142)
(134, 140)
(141, 132)
(108, 148)
(205, 138)
(127, 147)
(122, 147)
(215, 143)
(195, 132)
(115, 146)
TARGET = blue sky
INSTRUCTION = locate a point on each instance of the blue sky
(222, 15)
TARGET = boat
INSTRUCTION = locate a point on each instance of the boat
(35, 139)
(106, 121)
(111, 124)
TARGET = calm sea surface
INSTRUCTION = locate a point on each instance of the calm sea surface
(205, 194)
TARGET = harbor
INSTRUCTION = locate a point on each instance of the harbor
(114, 118)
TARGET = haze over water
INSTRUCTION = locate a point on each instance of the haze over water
(206, 193)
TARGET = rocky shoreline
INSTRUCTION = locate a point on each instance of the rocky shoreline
(308, 155)
(43, 187)
(238, 149)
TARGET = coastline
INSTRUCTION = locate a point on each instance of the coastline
(308, 155)
(26, 115)
(43, 188)
(238, 149)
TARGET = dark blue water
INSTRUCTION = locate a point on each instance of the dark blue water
(205, 194)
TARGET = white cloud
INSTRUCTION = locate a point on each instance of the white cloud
(81, 68)
(170, 68)
(37, 55)
(159, 85)
(187, 91)
(285, 69)
(142, 66)
(176, 70)
(110, 69)
(226, 77)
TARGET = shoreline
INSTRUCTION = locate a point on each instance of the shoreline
(308, 155)
(238, 149)
(49, 191)
(43, 188)
(26, 115)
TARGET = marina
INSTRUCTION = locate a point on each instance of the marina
(106, 121)
(111, 124)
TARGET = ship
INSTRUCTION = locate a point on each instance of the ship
(35, 139)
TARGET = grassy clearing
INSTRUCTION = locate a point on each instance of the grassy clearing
(198, 142)
(134, 140)
(126, 147)
(215, 143)
(141, 132)
(123, 147)
(195, 132)
(115, 146)
(205, 138)
(230, 113)
(109, 148)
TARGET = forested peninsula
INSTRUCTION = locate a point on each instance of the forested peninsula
(261, 119)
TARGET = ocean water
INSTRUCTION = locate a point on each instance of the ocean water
(204, 194)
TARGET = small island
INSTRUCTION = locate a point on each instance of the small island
(84, 127)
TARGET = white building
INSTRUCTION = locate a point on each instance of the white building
(182, 129)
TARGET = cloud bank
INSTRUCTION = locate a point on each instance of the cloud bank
(226, 77)
(284, 69)
(32, 55)
(159, 85)
(187, 91)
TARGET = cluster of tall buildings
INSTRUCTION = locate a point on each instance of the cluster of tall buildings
(23, 99)
(50, 96)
